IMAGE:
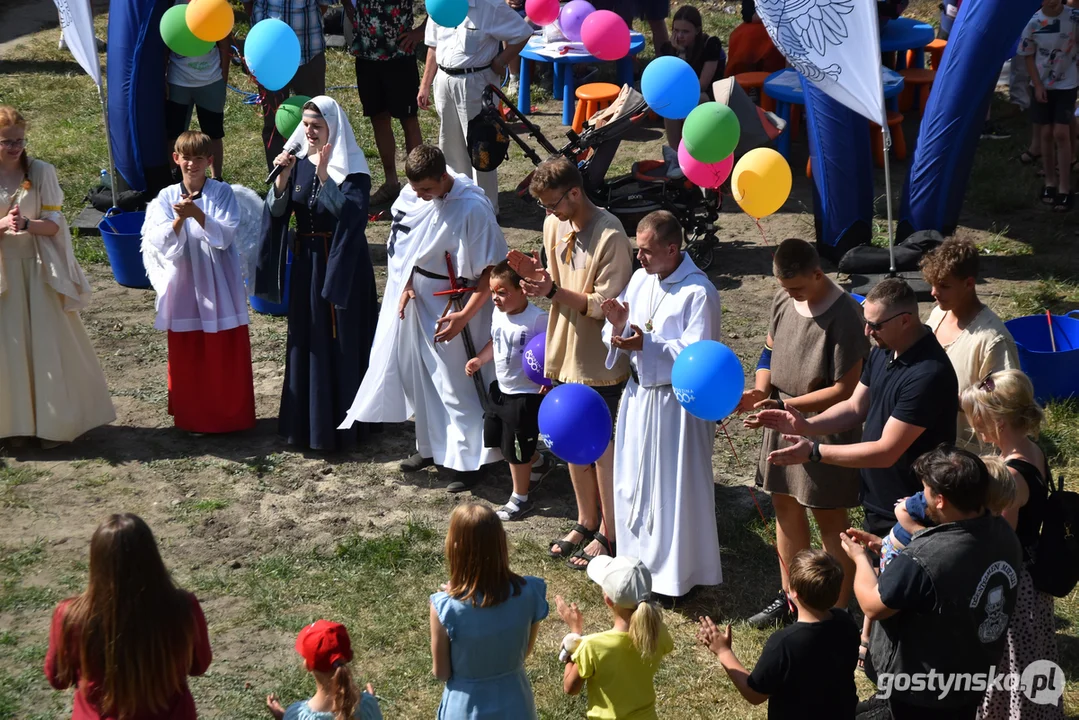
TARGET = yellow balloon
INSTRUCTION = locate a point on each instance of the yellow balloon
(209, 20)
(761, 182)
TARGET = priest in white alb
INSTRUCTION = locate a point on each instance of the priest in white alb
(443, 227)
(664, 491)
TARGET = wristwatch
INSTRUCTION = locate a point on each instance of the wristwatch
(25, 224)
(814, 453)
(554, 289)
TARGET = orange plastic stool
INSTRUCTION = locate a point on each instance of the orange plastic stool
(755, 81)
(916, 80)
(899, 142)
(592, 98)
(936, 52)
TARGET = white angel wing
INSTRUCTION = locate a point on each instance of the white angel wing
(249, 232)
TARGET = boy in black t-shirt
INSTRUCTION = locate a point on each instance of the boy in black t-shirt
(806, 669)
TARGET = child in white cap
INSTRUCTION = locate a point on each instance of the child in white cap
(619, 664)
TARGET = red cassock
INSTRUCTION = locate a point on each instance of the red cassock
(211, 387)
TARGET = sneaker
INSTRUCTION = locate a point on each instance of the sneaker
(779, 612)
(511, 88)
(463, 481)
(994, 132)
(416, 462)
(516, 510)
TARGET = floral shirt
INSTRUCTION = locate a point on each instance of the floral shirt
(379, 23)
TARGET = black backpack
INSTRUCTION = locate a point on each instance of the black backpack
(1054, 562)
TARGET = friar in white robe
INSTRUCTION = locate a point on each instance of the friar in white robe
(663, 484)
(412, 372)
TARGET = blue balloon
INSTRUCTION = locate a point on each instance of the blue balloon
(272, 52)
(708, 380)
(670, 87)
(575, 423)
(447, 13)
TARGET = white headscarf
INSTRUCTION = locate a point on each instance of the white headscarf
(346, 157)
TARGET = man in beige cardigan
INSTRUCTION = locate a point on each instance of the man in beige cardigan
(589, 260)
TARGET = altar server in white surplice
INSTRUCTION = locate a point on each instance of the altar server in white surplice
(419, 354)
(664, 493)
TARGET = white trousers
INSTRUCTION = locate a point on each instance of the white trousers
(458, 99)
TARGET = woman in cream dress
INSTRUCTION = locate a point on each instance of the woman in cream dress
(51, 385)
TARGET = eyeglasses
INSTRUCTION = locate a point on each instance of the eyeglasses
(13, 144)
(551, 208)
(987, 383)
(878, 326)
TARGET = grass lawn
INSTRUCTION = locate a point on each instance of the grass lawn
(270, 539)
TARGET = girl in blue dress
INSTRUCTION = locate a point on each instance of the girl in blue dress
(484, 624)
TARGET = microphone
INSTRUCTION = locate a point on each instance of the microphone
(293, 150)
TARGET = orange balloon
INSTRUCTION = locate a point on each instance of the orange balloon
(209, 20)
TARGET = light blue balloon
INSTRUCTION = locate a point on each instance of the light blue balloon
(272, 52)
(447, 13)
(575, 423)
(708, 380)
(670, 87)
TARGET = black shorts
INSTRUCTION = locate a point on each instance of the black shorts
(388, 86)
(208, 101)
(1058, 109)
(512, 424)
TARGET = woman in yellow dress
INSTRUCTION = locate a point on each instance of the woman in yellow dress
(51, 384)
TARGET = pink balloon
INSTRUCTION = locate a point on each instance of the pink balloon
(705, 175)
(572, 16)
(542, 12)
(605, 35)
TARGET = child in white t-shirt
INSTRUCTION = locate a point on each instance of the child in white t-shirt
(199, 83)
(1050, 48)
(511, 422)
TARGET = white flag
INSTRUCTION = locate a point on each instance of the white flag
(77, 25)
(835, 44)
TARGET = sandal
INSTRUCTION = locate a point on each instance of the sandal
(566, 548)
(386, 194)
(863, 651)
(1029, 158)
(1064, 202)
(1049, 194)
(582, 555)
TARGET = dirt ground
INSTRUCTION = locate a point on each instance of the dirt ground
(219, 504)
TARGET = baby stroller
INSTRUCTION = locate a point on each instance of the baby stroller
(630, 197)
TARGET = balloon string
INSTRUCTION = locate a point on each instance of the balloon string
(752, 494)
(757, 222)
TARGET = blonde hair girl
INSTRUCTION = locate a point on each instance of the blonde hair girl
(619, 665)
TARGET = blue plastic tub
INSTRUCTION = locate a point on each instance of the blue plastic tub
(1053, 373)
(122, 234)
(268, 308)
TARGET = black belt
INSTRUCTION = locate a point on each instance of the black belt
(429, 274)
(464, 71)
(633, 373)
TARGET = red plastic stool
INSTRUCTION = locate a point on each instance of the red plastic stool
(916, 80)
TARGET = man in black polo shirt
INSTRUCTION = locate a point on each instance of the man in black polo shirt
(907, 398)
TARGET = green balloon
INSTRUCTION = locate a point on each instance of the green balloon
(711, 132)
(289, 114)
(178, 36)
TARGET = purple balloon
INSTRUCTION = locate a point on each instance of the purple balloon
(572, 17)
(532, 360)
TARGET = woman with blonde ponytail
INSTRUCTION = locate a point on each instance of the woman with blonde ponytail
(327, 650)
(1003, 412)
(618, 665)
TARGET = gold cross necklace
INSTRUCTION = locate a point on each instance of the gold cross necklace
(653, 310)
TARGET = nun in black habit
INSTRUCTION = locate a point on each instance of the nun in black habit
(333, 304)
